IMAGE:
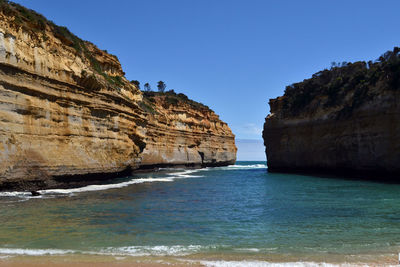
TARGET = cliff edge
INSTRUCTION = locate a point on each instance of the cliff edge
(68, 116)
(182, 132)
(343, 121)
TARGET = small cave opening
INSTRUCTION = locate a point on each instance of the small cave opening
(202, 156)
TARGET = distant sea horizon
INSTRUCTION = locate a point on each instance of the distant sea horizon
(250, 149)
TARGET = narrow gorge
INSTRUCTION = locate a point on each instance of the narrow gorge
(68, 115)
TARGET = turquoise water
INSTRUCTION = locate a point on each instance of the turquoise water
(241, 211)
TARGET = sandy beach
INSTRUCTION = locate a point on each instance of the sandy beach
(215, 261)
(86, 261)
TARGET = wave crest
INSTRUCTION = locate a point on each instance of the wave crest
(169, 177)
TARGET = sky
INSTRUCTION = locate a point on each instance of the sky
(228, 54)
(250, 150)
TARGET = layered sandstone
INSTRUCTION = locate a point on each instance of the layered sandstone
(184, 132)
(67, 113)
(58, 115)
(342, 121)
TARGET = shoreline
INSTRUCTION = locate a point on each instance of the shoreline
(328, 243)
(192, 260)
(81, 180)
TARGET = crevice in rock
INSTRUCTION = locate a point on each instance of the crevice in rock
(202, 157)
(138, 141)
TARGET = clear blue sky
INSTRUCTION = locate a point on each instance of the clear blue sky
(230, 55)
(250, 149)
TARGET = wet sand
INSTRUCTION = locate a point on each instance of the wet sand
(122, 261)
(86, 261)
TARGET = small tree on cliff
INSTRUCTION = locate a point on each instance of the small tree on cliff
(161, 86)
(136, 83)
(147, 87)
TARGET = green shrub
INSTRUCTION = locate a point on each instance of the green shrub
(340, 80)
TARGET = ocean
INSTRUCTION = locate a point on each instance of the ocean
(238, 215)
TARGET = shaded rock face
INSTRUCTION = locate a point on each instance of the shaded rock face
(183, 132)
(357, 135)
(69, 117)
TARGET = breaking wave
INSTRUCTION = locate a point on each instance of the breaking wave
(169, 177)
(238, 167)
(137, 251)
(34, 252)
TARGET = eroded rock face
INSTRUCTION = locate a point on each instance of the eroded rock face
(68, 116)
(352, 130)
(58, 116)
(183, 132)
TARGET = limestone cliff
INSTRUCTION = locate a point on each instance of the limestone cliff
(67, 113)
(184, 132)
(345, 120)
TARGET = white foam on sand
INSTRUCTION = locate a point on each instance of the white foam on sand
(177, 251)
(137, 251)
(248, 249)
(273, 264)
(34, 252)
(5, 257)
(152, 250)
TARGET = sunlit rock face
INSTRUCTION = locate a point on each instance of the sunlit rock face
(184, 132)
(68, 115)
(343, 121)
(58, 115)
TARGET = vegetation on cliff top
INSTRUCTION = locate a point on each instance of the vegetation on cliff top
(31, 21)
(170, 98)
(363, 79)
(161, 86)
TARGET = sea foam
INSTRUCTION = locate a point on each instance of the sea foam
(90, 188)
(238, 167)
(135, 251)
(34, 252)
(251, 166)
(169, 177)
(51, 192)
(275, 264)
(175, 251)
(153, 250)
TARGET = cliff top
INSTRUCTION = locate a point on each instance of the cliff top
(170, 98)
(52, 49)
(342, 88)
(46, 32)
(164, 103)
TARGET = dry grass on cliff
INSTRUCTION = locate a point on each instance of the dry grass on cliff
(36, 24)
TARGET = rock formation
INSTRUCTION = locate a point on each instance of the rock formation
(184, 132)
(69, 116)
(343, 121)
